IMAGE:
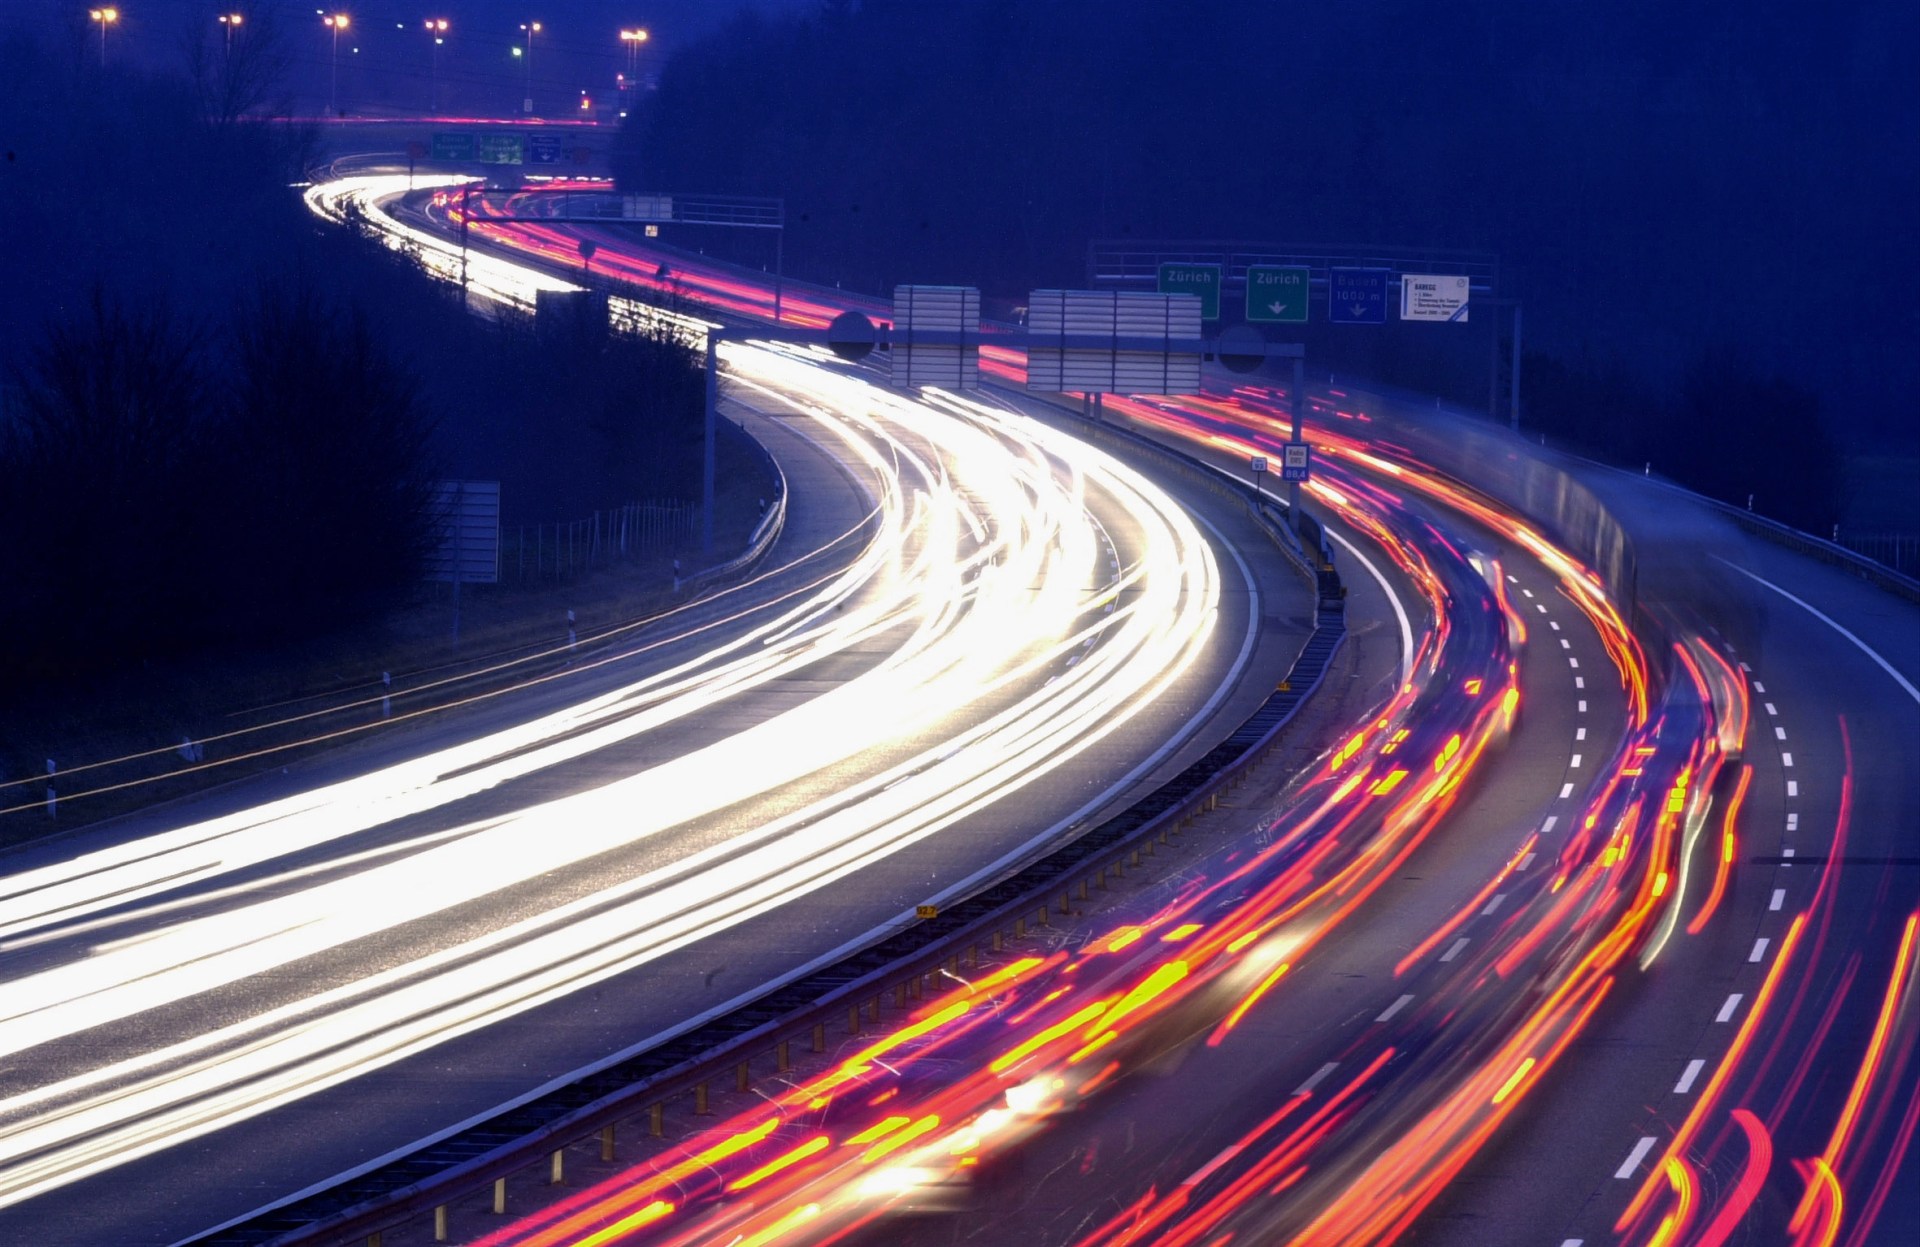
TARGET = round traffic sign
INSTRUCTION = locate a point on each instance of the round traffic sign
(850, 336)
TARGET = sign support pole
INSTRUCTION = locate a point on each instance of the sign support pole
(1513, 396)
(779, 266)
(1297, 399)
(466, 192)
(706, 461)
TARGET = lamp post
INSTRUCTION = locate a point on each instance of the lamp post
(229, 21)
(532, 29)
(336, 22)
(106, 18)
(633, 39)
(437, 31)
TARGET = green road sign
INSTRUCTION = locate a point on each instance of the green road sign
(1277, 294)
(456, 148)
(502, 149)
(1200, 279)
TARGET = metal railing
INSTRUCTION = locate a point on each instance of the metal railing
(537, 553)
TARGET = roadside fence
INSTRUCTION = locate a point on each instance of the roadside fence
(541, 553)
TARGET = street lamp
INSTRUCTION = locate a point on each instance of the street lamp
(230, 21)
(532, 29)
(106, 18)
(633, 39)
(336, 22)
(436, 27)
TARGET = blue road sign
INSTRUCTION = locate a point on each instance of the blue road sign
(1296, 461)
(1357, 296)
(543, 149)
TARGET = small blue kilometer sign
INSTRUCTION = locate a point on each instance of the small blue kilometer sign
(1357, 296)
(1296, 462)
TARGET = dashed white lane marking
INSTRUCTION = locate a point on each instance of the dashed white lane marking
(1686, 1079)
(1744, 667)
(1759, 949)
(1395, 1007)
(1573, 1242)
(1566, 790)
(1547, 827)
(1779, 899)
(1638, 1154)
(1572, 661)
(1779, 733)
(1583, 705)
(1528, 592)
(1513, 580)
(1772, 709)
(1580, 734)
(1786, 759)
(1554, 624)
(1727, 1009)
(1565, 644)
(1579, 681)
(1540, 608)
(1793, 788)
(1454, 951)
(1525, 862)
(1786, 853)
(1498, 898)
(1313, 1079)
(1575, 764)
(1793, 822)
(1759, 687)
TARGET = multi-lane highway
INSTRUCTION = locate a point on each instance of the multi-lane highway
(1649, 981)
(975, 634)
(1589, 918)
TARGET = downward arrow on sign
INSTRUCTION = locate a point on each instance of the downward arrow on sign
(1276, 308)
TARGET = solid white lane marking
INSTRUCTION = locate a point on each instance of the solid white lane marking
(1786, 759)
(1395, 1007)
(1727, 1009)
(1583, 705)
(1393, 599)
(1864, 648)
(1793, 788)
(1772, 709)
(1313, 1079)
(1638, 1154)
(1779, 899)
(1779, 733)
(1525, 862)
(1581, 734)
(1547, 826)
(1686, 1079)
(1759, 949)
(1576, 762)
(1454, 951)
(1494, 903)
(1566, 790)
